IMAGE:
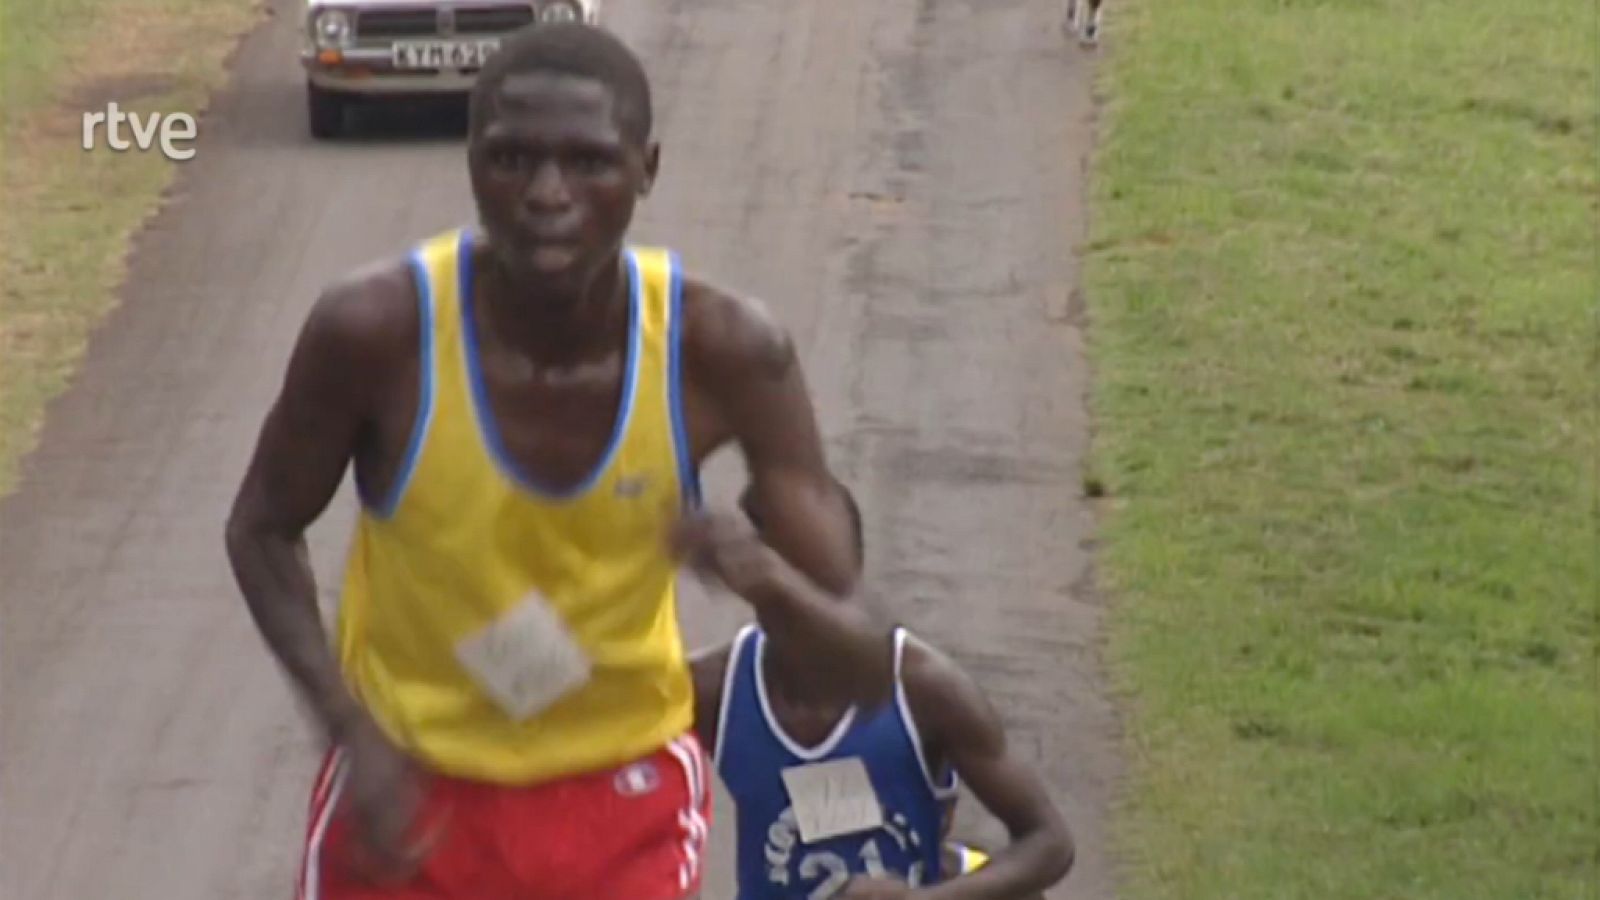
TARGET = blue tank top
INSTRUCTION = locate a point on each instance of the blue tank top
(752, 751)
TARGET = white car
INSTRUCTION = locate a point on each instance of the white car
(392, 49)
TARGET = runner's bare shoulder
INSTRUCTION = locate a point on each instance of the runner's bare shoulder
(945, 700)
(729, 335)
(364, 326)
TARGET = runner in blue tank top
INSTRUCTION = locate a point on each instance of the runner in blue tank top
(903, 717)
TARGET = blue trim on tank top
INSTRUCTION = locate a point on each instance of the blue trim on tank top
(484, 413)
(688, 474)
(385, 507)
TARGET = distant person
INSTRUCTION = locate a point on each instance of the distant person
(1083, 19)
(806, 685)
(526, 404)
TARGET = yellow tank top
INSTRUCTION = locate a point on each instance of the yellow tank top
(463, 537)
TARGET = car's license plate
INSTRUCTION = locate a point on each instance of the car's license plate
(442, 54)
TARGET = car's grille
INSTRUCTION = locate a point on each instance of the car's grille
(413, 22)
(378, 23)
(492, 19)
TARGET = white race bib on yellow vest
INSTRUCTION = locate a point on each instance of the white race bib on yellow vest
(527, 660)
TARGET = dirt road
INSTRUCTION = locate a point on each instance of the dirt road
(899, 178)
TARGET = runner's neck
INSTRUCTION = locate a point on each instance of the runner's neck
(546, 325)
(802, 687)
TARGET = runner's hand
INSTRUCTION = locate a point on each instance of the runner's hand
(867, 888)
(384, 794)
(725, 548)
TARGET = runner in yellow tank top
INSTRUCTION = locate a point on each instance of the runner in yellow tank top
(525, 405)
(465, 536)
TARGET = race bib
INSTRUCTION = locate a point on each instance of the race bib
(832, 798)
(527, 660)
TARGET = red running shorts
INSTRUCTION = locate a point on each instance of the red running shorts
(634, 832)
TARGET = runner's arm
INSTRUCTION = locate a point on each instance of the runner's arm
(301, 454)
(799, 618)
(957, 719)
(746, 363)
(707, 668)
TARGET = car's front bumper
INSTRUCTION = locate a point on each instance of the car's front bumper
(371, 70)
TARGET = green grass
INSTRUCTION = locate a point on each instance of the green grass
(1341, 284)
(67, 215)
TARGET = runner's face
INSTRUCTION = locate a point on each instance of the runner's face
(555, 179)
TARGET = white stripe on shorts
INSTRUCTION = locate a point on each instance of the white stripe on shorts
(693, 822)
(322, 813)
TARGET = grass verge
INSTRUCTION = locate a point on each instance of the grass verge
(68, 215)
(1341, 284)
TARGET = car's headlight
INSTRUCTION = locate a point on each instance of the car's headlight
(561, 11)
(331, 28)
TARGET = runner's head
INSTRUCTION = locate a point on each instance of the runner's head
(559, 150)
(747, 503)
